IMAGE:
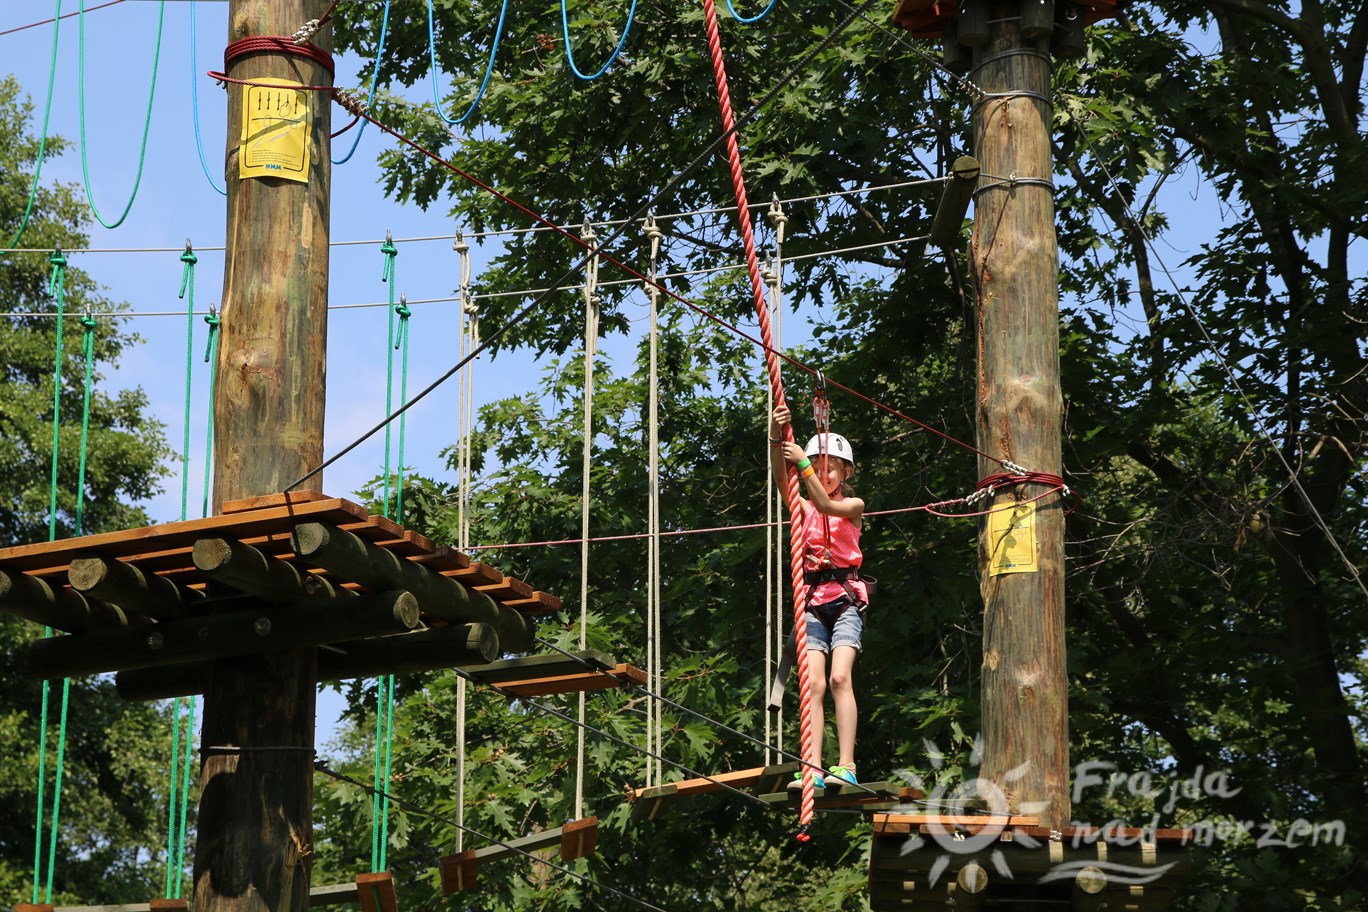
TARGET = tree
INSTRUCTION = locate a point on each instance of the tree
(113, 812)
(1215, 429)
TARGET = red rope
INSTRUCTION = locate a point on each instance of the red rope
(277, 44)
(88, 9)
(776, 381)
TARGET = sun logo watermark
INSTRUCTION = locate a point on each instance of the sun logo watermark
(978, 798)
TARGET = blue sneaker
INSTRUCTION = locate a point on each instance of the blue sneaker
(844, 775)
(797, 784)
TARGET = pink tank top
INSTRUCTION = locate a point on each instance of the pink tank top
(845, 552)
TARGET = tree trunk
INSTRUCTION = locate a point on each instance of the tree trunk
(254, 850)
(1015, 264)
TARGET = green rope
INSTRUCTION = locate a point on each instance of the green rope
(184, 799)
(389, 755)
(187, 284)
(384, 731)
(88, 346)
(404, 313)
(56, 288)
(147, 122)
(88, 324)
(175, 779)
(57, 786)
(210, 351)
(42, 145)
(388, 275)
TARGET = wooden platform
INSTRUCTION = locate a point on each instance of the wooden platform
(577, 839)
(543, 675)
(922, 862)
(769, 784)
(176, 585)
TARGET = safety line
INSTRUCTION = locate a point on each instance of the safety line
(57, 18)
(147, 120)
(374, 82)
(574, 269)
(816, 768)
(513, 232)
(489, 67)
(1294, 478)
(566, 717)
(42, 143)
(194, 105)
(421, 811)
(753, 19)
(570, 53)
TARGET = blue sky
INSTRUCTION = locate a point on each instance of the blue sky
(176, 201)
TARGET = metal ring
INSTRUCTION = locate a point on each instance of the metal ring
(1015, 52)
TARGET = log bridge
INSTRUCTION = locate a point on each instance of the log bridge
(157, 605)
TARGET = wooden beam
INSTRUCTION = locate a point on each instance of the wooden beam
(250, 570)
(1014, 264)
(619, 675)
(454, 646)
(128, 587)
(954, 204)
(221, 635)
(355, 559)
(576, 839)
(32, 599)
(332, 895)
(740, 779)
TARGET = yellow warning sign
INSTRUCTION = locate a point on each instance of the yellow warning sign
(1012, 540)
(275, 131)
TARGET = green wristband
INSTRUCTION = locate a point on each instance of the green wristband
(804, 464)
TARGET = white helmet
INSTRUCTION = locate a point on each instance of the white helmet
(832, 444)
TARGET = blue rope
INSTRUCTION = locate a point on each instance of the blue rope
(489, 67)
(194, 103)
(756, 18)
(570, 54)
(375, 79)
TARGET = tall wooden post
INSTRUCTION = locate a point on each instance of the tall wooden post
(256, 804)
(1015, 262)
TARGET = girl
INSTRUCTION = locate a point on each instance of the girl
(831, 568)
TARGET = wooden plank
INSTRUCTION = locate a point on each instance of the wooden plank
(576, 682)
(332, 895)
(532, 666)
(246, 504)
(539, 603)
(506, 589)
(894, 824)
(458, 872)
(883, 794)
(475, 574)
(376, 892)
(740, 779)
(274, 520)
(579, 838)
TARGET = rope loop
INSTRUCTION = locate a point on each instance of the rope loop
(778, 219)
(278, 44)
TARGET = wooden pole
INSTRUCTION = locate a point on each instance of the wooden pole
(254, 847)
(1015, 263)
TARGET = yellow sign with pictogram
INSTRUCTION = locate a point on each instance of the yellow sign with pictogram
(275, 131)
(1012, 539)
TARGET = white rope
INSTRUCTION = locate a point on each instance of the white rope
(467, 331)
(654, 661)
(776, 546)
(591, 315)
(510, 232)
(519, 293)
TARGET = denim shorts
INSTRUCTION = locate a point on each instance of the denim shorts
(846, 631)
